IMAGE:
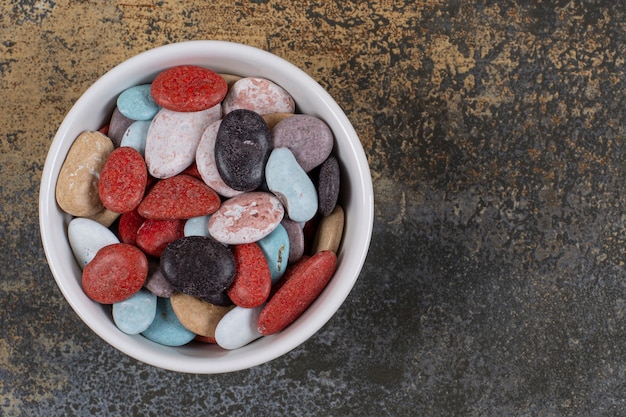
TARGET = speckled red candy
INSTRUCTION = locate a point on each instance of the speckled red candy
(304, 283)
(253, 280)
(123, 180)
(154, 235)
(116, 272)
(129, 224)
(188, 88)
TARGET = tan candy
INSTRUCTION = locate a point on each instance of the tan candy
(329, 232)
(273, 118)
(198, 316)
(230, 79)
(105, 217)
(77, 186)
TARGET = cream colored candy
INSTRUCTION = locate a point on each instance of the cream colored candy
(77, 185)
(105, 217)
(329, 231)
(273, 118)
(231, 79)
(197, 315)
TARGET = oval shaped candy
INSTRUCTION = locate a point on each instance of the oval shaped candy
(87, 237)
(259, 95)
(197, 226)
(156, 282)
(136, 103)
(188, 88)
(329, 232)
(242, 146)
(136, 135)
(205, 162)
(253, 279)
(118, 126)
(288, 181)
(246, 218)
(166, 329)
(135, 314)
(328, 183)
(307, 137)
(199, 266)
(197, 315)
(117, 272)
(238, 327)
(275, 248)
(295, 233)
(77, 185)
(123, 180)
(154, 235)
(129, 224)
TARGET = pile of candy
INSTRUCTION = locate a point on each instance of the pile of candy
(205, 210)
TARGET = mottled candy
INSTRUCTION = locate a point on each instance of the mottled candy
(166, 329)
(135, 314)
(117, 272)
(295, 234)
(87, 237)
(198, 266)
(307, 137)
(259, 95)
(197, 315)
(77, 185)
(118, 126)
(275, 248)
(179, 197)
(156, 282)
(154, 235)
(136, 103)
(253, 280)
(246, 218)
(205, 162)
(197, 226)
(302, 285)
(173, 138)
(238, 328)
(188, 88)
(329, 232)
(123, 180)
(328, 184)
(136, 135)
(242, 146)
(129, 224)
(293, 187)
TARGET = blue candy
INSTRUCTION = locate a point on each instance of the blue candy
(275, 247)
(135, 314)
(197, 226)
(135, 136)
(136, 103)
(166, 329)
(238, 327)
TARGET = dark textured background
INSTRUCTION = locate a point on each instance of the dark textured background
(495, 281)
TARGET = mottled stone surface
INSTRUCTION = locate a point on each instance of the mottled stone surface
(495, 282)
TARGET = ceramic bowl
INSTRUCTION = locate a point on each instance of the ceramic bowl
(93, 110)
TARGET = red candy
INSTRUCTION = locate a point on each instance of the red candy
(123, 180)
(154, 235)
(129, 224)
(179, 197)
(188, 88)
(253, 280)
(116, 273)
(303, 283)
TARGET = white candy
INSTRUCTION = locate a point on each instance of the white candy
(87, 237)
(238, 327)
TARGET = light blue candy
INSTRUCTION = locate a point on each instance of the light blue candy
(275, 247)
(135, 314)
(166, 329)
(288, 181)
(87, 237)
(136, 103)
(197, 226)
(238, 327)
(135, 136)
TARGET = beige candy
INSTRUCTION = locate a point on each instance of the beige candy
(105, 217)
(230, 79)
(329, 232)
(77, 185)
(273, 118)
(198, 316)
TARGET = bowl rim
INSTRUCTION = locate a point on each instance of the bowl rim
(269, 347)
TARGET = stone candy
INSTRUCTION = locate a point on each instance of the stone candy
(253, 280)
(273, 118)
(136, 103)
(136, 135)
(205, 162)
(166, 329)
(275, 247)
(87, 237)
(242, 146)
(197, 315)
(173, 138)
(303, 283)
(188, 88)
(246, 218)
(135, 314)
(179, 197)
(295, 233)
(77, 185)
(329, 232)
(118, 126)
(105, 217)
(123, 180)
(197, 226)
(154, 235)
(198, 266)
(307, 137)
(156, 282)
(129, 224)
(238, 327)
(293, 187)
(328, 184)
(259, 95)
(117, 272)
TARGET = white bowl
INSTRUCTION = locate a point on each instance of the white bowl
(93, 110)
